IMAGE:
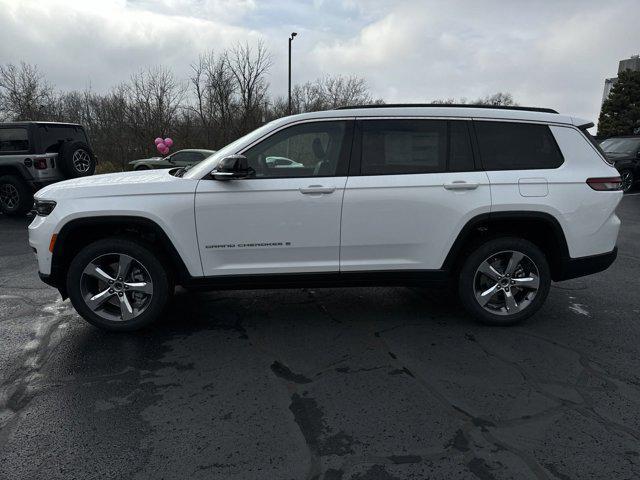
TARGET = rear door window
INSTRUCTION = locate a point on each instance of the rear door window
(14, 140)
(517, 146)
(393, 147)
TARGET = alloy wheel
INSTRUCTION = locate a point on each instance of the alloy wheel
(9, 196)
(116, 287)
(81, 161)
(506, 282)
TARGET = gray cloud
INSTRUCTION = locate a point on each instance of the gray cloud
(551, 53)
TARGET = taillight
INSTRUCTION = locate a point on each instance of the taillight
(40, 163)
(605, 184)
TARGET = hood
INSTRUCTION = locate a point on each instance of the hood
(144, 182)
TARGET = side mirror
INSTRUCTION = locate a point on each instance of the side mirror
(232, 167)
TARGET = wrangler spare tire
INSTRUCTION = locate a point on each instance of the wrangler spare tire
(76, 159)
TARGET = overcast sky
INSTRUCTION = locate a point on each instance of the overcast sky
(546, 53)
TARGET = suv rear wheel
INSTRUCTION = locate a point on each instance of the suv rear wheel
(118, 284)
(504, 281)
(15, 196)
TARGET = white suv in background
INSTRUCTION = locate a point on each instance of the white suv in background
(496, 201)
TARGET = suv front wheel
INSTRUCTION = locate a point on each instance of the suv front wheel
(118, 284)
(504, 281)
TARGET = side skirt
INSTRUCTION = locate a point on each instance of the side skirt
(320, 280)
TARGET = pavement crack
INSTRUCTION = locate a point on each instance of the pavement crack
(282, 371)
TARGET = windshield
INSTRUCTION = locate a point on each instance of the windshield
(621, 145)
(209, 163)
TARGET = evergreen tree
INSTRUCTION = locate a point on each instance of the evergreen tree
(620, 113)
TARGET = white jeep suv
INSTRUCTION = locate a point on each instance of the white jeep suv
(496, 201)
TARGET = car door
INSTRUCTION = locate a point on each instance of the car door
(280, 219)
(416, 186)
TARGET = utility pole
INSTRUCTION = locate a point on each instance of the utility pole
(293, 34)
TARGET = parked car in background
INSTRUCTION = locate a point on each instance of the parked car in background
(624, 152)
(282, 162)
(181, 158)
(35, 154)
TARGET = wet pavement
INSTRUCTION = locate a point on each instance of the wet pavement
(364, 383)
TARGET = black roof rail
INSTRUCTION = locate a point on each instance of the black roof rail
(448, 105)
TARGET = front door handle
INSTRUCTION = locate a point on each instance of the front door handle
(317, 189)
(460, 185)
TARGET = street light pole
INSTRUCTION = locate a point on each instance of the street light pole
(293, 34)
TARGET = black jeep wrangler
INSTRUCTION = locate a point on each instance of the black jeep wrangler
(35, 154)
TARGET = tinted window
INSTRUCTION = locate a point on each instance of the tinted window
(14, 140)
(460, 151)
(304, 150)
(51, 136)
(516, 146)
(187, 157)
(403, 146)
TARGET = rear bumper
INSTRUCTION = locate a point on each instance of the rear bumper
(579, 267)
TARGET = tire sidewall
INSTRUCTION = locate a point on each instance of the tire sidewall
(142, 253)
(484, 251)
(25, 202)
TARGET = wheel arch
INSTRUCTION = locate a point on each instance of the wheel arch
(79, 232)
(16, 169)
(541, 228)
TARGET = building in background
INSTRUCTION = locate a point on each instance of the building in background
(632, 63)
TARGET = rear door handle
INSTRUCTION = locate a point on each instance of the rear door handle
(460, 185)
(317, 189)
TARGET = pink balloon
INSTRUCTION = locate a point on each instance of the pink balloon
(168, 142)
(165, 150)
(157, 140)
(161, 146)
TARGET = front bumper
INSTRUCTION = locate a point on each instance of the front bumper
(579, 267)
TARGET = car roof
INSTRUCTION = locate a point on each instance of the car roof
(32, 122)
(201, 150)
(444, 111)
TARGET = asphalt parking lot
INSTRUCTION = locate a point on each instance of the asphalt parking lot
(370, 383)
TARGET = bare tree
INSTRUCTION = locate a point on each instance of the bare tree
(24, 93)
(153, 99)
(214, 86)
(249, 67)
(328, 92)
(497, 99)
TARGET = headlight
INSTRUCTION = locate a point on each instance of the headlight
(44, 207)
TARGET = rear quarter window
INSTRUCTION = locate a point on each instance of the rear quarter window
(517, 146)
(14, 140)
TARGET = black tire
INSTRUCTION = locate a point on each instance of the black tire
(497, 250)
(16, 197)
(76, 159)
(144, 256)
(628, 180)
(142, 167)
